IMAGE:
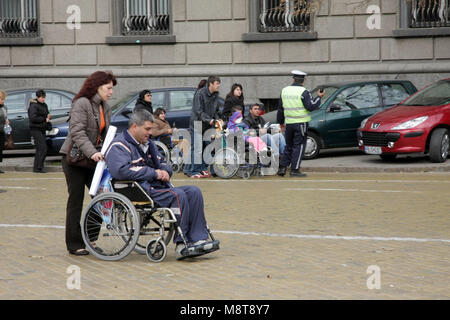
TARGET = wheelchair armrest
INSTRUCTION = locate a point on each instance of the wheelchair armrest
(132, 190)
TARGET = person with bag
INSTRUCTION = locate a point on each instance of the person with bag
(39, 121)
(89, 120)
(3, 122)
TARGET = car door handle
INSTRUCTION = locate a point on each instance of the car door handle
(19, 118)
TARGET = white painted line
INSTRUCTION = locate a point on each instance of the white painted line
(31, 226)
(348, 190)
(29, 179)
(268, 234)
(22, 188)
(262, 180)
(324, 237)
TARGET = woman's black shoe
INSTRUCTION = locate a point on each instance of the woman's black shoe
(79, 252)
(1, 171)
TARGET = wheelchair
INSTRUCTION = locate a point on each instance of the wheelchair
(171, 155)
(228, 162)
(125, 219)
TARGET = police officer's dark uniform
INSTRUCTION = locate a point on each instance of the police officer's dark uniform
(295, 105)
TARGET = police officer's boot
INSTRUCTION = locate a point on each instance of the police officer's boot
(297, 173)
(281, 171)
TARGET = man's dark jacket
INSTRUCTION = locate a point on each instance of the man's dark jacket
(204, 108)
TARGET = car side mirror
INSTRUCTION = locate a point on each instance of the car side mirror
(335, 108)
(126, 113)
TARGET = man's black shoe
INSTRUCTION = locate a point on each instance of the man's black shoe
(297, 173)
(281, 171)
(40, 171)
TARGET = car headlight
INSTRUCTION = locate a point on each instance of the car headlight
(363, 123)
(52, 132)
(410, 124)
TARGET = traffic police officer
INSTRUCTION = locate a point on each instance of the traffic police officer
(295, 105)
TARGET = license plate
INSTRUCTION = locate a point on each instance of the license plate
(372, 150)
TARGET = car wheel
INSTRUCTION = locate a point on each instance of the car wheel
(388, 156)
(313, 146)
(439, 145)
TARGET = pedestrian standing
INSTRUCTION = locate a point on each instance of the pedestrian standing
(3, 121)
(144, 101)
(39, 120)
(234, 98)
(90, 117)
(204, 111)
(293, 110)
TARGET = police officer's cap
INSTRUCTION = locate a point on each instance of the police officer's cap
(298, 74)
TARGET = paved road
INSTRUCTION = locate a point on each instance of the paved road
(334, 160)
(328, 236)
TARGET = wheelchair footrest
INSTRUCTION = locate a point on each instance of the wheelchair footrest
(201, 249)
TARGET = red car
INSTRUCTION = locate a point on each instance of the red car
(419, 124)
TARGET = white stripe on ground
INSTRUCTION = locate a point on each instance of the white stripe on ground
(308, 180)
(22, 188)
(268, 234)
(347, 190)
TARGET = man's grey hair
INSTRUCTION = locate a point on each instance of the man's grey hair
(140, 117)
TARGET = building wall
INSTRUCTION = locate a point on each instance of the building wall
(209, 41)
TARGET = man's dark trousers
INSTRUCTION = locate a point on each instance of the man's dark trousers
(296, 136)
(190, 201)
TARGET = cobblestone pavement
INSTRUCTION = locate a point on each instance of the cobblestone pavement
(322, 237)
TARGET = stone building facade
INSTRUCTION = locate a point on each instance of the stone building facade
(346, 40)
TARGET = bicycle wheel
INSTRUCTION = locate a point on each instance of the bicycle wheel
(110, 226)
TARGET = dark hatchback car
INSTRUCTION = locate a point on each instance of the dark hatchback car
(343, 108)
(176, 101)
(18, 101)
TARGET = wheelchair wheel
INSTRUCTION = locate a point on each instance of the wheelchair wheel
(156, 250)
(162, 148)
(110, 226)
(226, 163)
(150, 231)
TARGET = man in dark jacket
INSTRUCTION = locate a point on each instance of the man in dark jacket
(254, 121)
(204, 113)
(144, 101)
(133, 156)
(39, 121)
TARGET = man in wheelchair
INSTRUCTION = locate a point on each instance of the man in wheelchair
(133, 156)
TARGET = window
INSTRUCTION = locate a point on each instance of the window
(18, 18)
(141, 21)
(393, 94)
(15, 102)
(431, 13)
(57, 103)
(358, 97)
(420, 18)
(181, 100)
(275, 20)
(284, 15)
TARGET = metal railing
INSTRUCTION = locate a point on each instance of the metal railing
(285, 15)
(18, 18)
(143, 17)
(430, 13)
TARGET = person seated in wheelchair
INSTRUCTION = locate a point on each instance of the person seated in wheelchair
(236, 124)
(133, 156)
(162, 131)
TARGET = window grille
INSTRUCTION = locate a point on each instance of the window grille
(144, 17)
(430, 13)
(285, 15)
(18, 18)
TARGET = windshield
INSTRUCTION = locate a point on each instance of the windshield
(328, 93)
(437, 94)
(121, 102)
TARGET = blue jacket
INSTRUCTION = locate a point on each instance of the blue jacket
(127, 161)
